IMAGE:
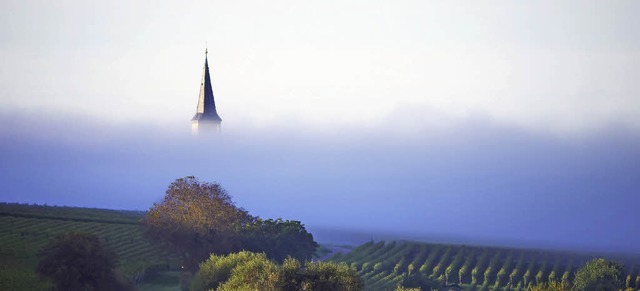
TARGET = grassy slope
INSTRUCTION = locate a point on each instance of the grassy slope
(24, 229)
(393, 260)
(164, 281)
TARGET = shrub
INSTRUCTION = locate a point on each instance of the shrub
(251, 271)
(599, 274)
(78, 261)
(217, 269)
(258, 273)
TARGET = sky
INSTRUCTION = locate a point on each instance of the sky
(496, 121)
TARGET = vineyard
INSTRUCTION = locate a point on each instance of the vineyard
(385, 265)
(24, 229)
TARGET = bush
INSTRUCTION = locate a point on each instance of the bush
(251, 271)
(329, 276)
(599, 274)
(217, 269)
(258, 273)
(78, 261)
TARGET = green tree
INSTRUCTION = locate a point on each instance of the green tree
(217, 269)
(291, 275)
(194, 220)
(78, 261)
(258, 273)
(599, 275)
(323, 276)
(279, 239)
(251, 271)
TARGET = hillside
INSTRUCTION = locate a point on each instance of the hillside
(384, 265)
(24, 229)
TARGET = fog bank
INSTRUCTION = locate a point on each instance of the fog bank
(475, 181)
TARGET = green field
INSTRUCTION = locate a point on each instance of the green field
(24, 229)
(384, 265)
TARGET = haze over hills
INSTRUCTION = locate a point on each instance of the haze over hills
(477, 182)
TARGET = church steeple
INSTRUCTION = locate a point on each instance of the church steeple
(206, 111)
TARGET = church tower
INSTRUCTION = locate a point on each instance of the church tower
(206, 115)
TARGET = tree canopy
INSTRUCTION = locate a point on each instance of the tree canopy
(78, 261)
(599, 275)
(254, 271)
(279, 239)
(195, 219)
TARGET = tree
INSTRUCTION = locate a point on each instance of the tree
(599, 275)
(322, 276)
(217, 269)
(194, 220)
(279, 239)
(257, 274)
(251, 271)
(78, 261)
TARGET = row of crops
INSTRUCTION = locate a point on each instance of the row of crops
(385, 265)
(71, 213)
(24, 229)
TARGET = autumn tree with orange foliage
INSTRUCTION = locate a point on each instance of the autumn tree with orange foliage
(194, 220)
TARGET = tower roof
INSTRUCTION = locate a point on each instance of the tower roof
(206, 110)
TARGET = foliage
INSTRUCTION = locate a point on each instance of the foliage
(551, 286)
(512, 269)
(251, 271)
(599, 274)
(419, 281)
(279, 239)
(329, 276)
(291, 275)
(217, 269)
(194, 220)
(258, 273)
(77, 261)
(25, 229)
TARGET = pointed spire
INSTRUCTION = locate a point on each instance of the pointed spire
(206, 110)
